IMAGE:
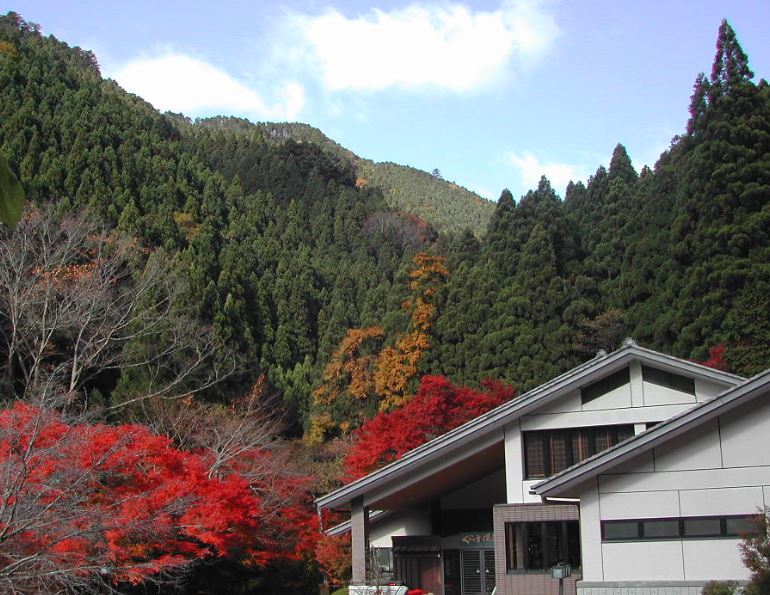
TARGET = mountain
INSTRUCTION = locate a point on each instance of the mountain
(284, 240)
(270, 241)
(444, 205)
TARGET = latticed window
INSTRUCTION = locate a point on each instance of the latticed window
(549, 451)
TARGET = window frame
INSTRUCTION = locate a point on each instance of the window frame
(724, 533)
(569, 435)
(667, 379)
(376, 559)
(605, 385)
(547, 563)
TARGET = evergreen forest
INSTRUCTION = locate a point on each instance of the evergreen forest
(275, 261)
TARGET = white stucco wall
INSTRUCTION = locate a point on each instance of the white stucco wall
(637, 403)
(745, 435)
(399, 523)
(654, 561)
(719, 468)
(615, 399)
(707, 389)
(590, 533)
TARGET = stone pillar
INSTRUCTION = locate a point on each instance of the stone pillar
(359, 530)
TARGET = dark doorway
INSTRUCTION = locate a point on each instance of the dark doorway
(452, 574)
(478, 572)
(417, 562)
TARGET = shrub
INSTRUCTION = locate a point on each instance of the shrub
(720, 588)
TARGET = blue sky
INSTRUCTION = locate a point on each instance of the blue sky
(492, 93)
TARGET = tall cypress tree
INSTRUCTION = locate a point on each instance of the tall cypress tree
(731, 65)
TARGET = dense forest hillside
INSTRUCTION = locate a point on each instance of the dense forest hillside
(284, 241)
(444, 205)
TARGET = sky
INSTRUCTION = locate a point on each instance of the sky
(492, 93)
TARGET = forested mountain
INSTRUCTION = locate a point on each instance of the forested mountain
(676, 258)
(276, 246)
(283, 240)
(444, 205)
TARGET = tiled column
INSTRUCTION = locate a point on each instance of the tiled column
(359, 529)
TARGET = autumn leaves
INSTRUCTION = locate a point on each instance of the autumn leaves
(363, 371)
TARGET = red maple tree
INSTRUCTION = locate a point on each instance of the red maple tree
(716, 358)
(437, 407)
(87, 503)
(332, 552)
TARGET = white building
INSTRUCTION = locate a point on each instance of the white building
(475, 508)
(668, 507)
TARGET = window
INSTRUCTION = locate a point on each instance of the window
(549, 451)
(669, 380)
(620, 530)
(702, 527)
(382, 558)
(540, 545)
(739, 526)
(659, 529)
(678, 528)
(605, 385)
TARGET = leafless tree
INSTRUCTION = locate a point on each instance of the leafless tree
(241, 437)
(77, 300)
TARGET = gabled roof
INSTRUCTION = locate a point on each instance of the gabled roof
(469, 433)
(561, 483)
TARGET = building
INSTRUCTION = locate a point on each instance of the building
(501, 499)
(667, 507)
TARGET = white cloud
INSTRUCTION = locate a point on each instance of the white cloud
(447, 46)
(177, 82)
(559, 174)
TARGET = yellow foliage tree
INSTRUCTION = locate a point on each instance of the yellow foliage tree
(356, 373)
(350, 372)
(397, 365)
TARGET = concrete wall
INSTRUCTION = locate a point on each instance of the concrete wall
(399, 523)
(719, 468)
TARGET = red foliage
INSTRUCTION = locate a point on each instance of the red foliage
(84, 498)
(332, 553)
(437, 407)
(716, 358)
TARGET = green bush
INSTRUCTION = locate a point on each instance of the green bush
(720, 588)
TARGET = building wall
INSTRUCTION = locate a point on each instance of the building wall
(637, 403)
(399, 523)
(529, 583)
(717, 469)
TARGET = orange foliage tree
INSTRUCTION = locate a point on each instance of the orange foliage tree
(397, 365)
(348, 376)
(357, 375)
(332, 553)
